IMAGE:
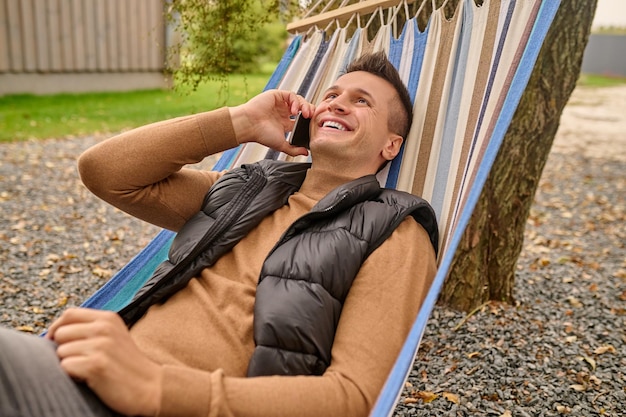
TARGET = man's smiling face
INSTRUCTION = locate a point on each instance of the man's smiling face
(352, 122)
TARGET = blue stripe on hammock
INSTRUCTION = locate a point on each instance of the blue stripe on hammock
(116, 293)
(395, 57)
(393, 387)
(395, 47)
(419, 45)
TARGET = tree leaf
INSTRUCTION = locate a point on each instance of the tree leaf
(591, 362)
(453, 398)
(29, 329)
(101, 272)
(425, 396)
(604, 349)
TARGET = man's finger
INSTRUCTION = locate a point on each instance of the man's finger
(84, 368)
(80, 315)
(77, 331)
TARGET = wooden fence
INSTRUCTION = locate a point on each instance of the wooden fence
(103, 44)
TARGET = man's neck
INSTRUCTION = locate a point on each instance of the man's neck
(320, 181)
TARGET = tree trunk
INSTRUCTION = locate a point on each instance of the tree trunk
(484, 264)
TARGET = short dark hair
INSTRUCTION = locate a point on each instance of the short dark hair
(401, 113)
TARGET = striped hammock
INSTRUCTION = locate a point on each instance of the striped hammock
(465, 75)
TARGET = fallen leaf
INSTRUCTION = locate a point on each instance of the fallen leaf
(595, 380)
(52, 258)
(72, 270)
(591, 362)
(29, 329)
(618, 311)
(507, 413)
(574, 301)
(425, 396)
(582, 377)
(564, 259)
(604, 349)
(19, 225)
(101, 272)
(594, 265)
(578, 387)
(449, 369)
(453, 398)
(473, 354)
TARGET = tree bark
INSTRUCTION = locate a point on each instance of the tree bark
(485, 262)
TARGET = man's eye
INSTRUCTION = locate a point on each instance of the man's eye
(363, 101)
(331, 96)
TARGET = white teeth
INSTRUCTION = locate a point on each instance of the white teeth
(334, 125)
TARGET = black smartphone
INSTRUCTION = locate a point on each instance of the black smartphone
(299, 136)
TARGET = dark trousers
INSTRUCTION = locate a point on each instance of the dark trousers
(32, 384)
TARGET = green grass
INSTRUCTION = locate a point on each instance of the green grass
(589, 80)
(66, 115)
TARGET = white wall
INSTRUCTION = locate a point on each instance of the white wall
(610, 13)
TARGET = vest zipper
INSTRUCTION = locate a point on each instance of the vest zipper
(300, 221)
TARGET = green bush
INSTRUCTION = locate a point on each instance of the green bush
(224, 37)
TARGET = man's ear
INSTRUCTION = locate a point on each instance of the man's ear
(392, 147)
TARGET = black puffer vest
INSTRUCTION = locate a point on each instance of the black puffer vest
(307, 275)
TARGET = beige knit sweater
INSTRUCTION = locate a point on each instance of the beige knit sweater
(203, 334)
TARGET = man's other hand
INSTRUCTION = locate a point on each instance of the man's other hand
(95, 347)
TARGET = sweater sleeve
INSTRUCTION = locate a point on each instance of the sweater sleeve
(141, 171)
(377, 316)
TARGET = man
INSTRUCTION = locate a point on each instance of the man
(311, 278)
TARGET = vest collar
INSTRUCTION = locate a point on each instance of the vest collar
(350, 193)
(331, 189)
(319, 183)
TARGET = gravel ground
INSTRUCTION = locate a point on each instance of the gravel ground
(57, 241)
(558, 351)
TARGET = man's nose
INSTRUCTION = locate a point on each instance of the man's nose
(338, 105)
